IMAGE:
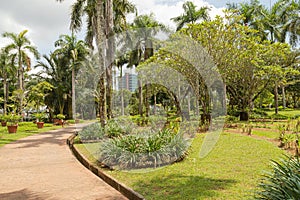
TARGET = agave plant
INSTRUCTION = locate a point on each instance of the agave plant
(283, 182)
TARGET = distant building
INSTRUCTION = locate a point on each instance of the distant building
(129, 81)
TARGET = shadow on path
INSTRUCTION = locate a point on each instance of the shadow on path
(23, 194)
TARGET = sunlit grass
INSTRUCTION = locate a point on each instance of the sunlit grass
(272, 134)
(230, 171)
(288, 113)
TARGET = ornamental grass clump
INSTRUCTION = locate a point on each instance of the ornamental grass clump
(92, 132)
(283, 182)
(143, 151)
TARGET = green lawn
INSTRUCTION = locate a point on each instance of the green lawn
(24, 129)
(231, 171)
(288, 113)
(273, 134)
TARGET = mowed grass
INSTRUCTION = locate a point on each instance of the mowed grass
(231, 171)
(272, 134)
(288, 113)
(24, 129)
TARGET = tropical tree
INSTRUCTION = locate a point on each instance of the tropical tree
(55, 71)
(100, 25)
(7, 73)
(75, 51)
(37, 93)
(20, 46)
(277, 24)
(144, 29)
(191, 14)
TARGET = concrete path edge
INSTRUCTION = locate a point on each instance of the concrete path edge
(123, 189)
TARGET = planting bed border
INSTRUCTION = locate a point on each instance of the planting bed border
(123, 189)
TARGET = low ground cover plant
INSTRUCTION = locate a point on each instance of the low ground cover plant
(283, 182)
(143, 151)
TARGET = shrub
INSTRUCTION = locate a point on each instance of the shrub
(118, 127)
(283, 182)
(135, 151)
(279, 117)
(92, 132)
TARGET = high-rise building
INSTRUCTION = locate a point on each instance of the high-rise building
(129, 81)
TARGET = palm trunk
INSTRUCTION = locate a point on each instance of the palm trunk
(140, 97)
(21, 87)
(100, 37)
(109, 54)
(73, 94)
(5, 93)
(122, 93)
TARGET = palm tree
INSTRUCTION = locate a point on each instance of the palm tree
(100, 25)
(74, 51)
(20, 47)
(252, 15)
(191, 14)
(144, 28)
(55, 71)
(7, 72)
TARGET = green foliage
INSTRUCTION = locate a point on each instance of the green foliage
(279, 117)
(13, 119)
(60, 116)
(231, 119)
(40, 116)
(92, 132)
(134, 151)
(258, 114)
(114, 129)
(283, 182)
(3, 118)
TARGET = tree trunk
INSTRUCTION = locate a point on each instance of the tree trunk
(5, 93)
(73, 94)
(101, 45)
(140, 97)
(147, 101)
(154, 110)
(109, 92)
(283, 97)
(276, 98)
(21, 87)
(244, 116)
(122, 93)
(109, 54)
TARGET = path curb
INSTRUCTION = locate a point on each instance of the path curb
(123, 189)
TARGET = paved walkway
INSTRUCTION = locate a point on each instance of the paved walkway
(43, 167)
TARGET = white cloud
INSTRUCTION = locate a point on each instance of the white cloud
(48, 19)
(164, 10)
(44, 20)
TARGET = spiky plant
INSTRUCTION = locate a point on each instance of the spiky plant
(283, 182)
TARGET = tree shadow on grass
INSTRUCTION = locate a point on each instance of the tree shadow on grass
(178, 186)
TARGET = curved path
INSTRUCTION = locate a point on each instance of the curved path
(43, 167)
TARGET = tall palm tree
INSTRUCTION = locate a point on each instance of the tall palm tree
(191, 14)
(75, 51)
(144, 28)
(20, 46)
(100, 25)
(7, 72)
